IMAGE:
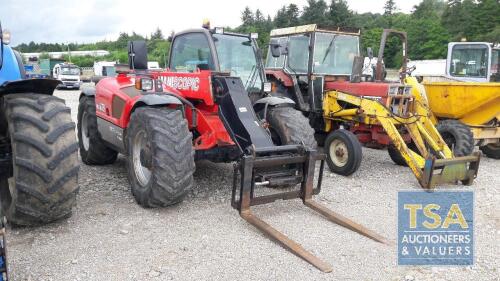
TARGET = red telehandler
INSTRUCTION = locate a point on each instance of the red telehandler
(201, 107)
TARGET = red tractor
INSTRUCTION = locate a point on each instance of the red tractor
(164, 121)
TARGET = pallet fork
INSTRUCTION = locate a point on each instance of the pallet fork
(262, 163)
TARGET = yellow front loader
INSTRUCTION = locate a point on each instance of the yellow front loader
(430, 159)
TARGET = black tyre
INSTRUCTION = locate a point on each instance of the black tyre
(160, 156)
(290, 126)
(491, 150)
(343, 152)
(396, 156)
(92, 148)
(44, 181)
(457, 136)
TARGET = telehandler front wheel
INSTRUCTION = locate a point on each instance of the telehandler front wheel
(290, 126)
(160, 156)
(343, 152)
(491, 150)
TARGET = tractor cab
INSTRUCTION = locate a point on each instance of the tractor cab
(219, 51)
(303, 58)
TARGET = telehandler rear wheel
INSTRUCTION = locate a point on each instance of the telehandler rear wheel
(343, 152)
(160, 161)
(92, 148)
(38, 134)
(491, 150)
(457, 136)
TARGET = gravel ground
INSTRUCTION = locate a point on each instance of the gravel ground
(110, 237)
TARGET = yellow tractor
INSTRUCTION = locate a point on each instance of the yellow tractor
(465, 100)
(321, 70)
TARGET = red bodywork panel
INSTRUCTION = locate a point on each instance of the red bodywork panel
(359, 89)
(281, 76)
(119, 94)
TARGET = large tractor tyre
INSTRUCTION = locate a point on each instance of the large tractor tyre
(160, 157)
(457, 136)
(396, 156)
(44, 181)
(290, 126)
(343, 151)
(491, 150)
(92, 148)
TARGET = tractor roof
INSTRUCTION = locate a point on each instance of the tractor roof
(309, 28)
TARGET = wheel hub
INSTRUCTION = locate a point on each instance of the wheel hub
(85, 132)
(141, 158)
(339, 153)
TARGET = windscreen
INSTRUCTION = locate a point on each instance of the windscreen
(334, 53)
(70, 71)
(469, 61)
(236, 55)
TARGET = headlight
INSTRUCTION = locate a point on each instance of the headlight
(6, 37)
(144, 84)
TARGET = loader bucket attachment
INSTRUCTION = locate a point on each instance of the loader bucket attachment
(462, 169)
(262, 163)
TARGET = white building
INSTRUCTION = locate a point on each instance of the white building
(57, 55)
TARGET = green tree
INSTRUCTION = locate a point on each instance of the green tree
(339, 13)
(315, 12)
(157, 35)
(247, 17)
(287, 16)
(389, 10)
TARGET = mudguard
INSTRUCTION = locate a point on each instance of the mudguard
(37, 86)
(88, 92)
(272, 101)
(157, 99)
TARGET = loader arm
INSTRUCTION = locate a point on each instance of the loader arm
(433, 163)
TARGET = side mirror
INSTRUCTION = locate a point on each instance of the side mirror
(276, 48)
(137, 55)
(369, 51)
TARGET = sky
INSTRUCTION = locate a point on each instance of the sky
(86, 21)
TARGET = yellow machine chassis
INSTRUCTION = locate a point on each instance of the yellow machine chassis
(403, 111)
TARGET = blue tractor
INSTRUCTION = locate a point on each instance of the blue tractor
(38, 149)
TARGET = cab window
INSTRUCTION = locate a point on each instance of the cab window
(469, 61)
(298, 53)
(191, 52)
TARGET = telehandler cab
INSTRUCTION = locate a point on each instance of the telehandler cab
(321, 70)
(164, 121)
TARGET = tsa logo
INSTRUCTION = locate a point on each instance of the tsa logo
(435, 228)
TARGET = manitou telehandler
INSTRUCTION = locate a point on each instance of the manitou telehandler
(321, 70)
(196, 109)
